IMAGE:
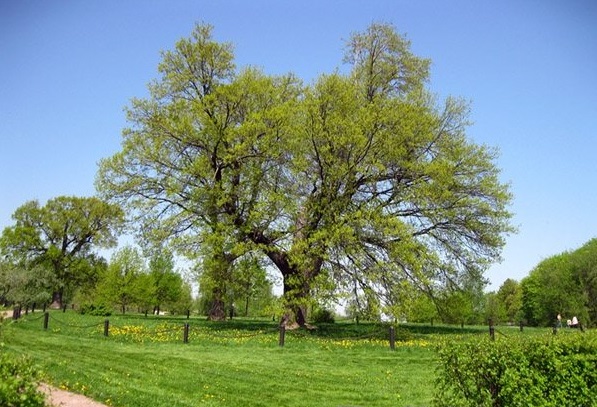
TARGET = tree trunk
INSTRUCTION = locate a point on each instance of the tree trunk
(217, 311)
(296, 297)
(300, 312)
(297, 280)
(56, 300)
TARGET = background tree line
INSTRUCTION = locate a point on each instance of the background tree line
(564, 284)
(49, 257)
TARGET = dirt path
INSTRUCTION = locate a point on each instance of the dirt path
(57, 397)
(62, 398)
(6, 314)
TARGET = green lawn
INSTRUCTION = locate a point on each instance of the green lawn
(144, 362)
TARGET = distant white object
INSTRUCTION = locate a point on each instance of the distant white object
(574, 321)
(386, 318)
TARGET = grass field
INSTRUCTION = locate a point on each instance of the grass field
(144, 362)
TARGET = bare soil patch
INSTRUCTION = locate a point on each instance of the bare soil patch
(6, 314)
(62, 398)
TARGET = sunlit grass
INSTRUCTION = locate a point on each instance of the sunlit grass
(144, 362)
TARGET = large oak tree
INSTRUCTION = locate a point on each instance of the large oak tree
(61, 236)
(360, 179)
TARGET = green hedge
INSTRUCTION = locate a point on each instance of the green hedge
(19, 382)
(100, 310)
(519, 371)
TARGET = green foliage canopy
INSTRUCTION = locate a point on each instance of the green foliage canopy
(362, 178)
(24, 286)
(123, 282)
(564, 284)
(60, 236)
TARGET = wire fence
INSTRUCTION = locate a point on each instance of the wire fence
(47, 315)
(187, 332)
(169, 331)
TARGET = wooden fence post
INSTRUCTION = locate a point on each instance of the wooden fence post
(46, 319)
(491, 330)
(106, 327)
(282, 335)
(392, 338)
(185, 338)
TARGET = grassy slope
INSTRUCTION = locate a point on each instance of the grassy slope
(225, 365)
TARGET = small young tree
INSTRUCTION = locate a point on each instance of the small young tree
(120, 285)
(167, 283)
(364, 306)
(144, 292)
(509, 297)
(494, 309)
(184, 301)
(423, 309)
(251, 288)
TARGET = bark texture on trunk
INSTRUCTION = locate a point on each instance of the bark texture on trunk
(217, 311)
(56, 300)
(298, 277)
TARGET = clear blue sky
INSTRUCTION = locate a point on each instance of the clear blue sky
(529, 68)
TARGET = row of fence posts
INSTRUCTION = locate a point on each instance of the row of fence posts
(17, 313)
(281, 339)
(282, 336)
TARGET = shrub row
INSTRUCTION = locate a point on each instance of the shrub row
(523, 371)
(100, 310)
(19, 382)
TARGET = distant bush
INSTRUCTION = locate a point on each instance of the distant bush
(323, 316)
(100, 310)
(18, 383)
(541, 371)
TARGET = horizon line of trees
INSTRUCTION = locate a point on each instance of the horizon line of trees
(48, 257)
(564, 284)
